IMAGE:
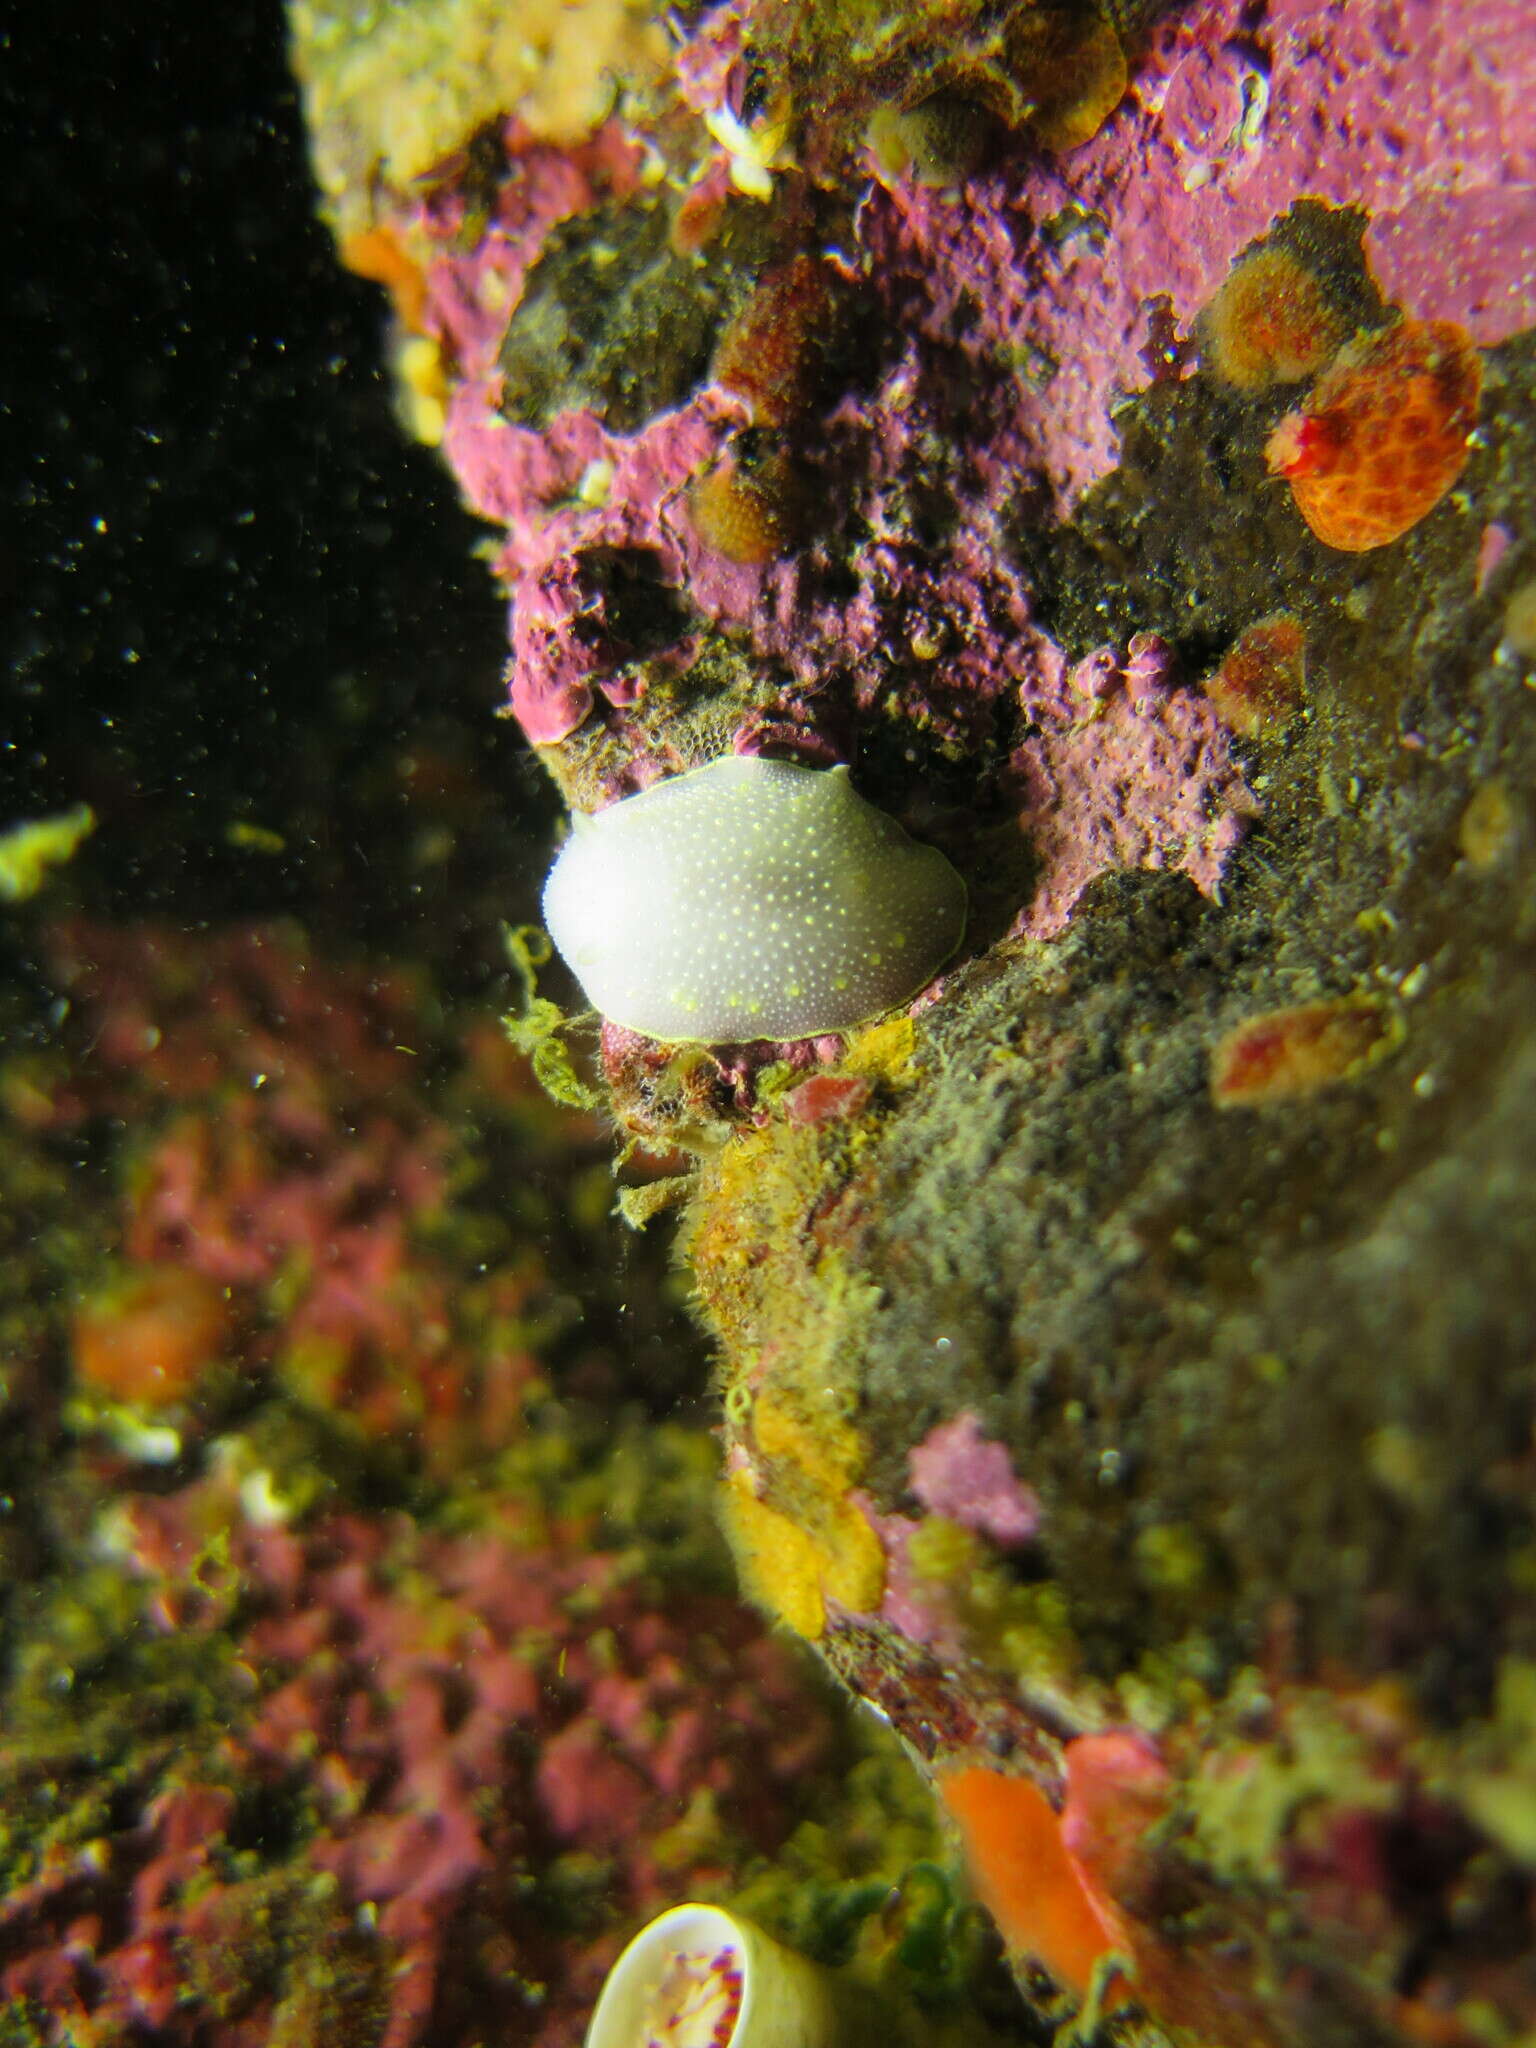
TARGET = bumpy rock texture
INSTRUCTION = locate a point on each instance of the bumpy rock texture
(1186, 1220)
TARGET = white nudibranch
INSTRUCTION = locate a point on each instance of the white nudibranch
(750, 899)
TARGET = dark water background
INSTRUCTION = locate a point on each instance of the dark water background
(230, 586)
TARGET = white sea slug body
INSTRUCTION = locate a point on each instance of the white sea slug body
(750, 899)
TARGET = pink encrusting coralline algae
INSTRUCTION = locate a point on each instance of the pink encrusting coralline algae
(447, 1723)
(1077, 263)
(576, 484)
(281, 1151)
(957, 1472)
(1003, 321)
(1169, 745)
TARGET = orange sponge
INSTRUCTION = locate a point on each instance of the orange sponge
(1087, 1892)
(1279, 1055)
(1383, 435)
(379, 255)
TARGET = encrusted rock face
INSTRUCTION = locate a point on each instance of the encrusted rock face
(612, 318)
(1126, 1348)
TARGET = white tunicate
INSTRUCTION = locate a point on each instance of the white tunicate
(700, 1977)
(750, 899)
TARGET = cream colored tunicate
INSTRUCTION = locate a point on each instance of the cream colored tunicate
(750, 899)
(699, 1977)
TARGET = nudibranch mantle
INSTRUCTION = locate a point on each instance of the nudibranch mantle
(750, 899)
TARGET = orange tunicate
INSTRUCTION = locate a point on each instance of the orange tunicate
(1383, 435)
(701, 214)
(774, 352)
(1282, 1054)
(148, 1335)
(1270, 323)
(747, 515)
(1259, 686)
(1085, 1891)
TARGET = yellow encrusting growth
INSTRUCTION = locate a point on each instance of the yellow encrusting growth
(773, 1240)
(883, 1051)
(392, 92)
(821, 1445)
(779, 1565)
(806, 1542)
(421, 388)
(30, 849)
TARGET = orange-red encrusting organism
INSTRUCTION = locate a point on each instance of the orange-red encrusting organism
(1258, 687)
(1280, 1055)
(745, 514)
(774, 352)
(1383, 435)
(379, 255)
(1272, 322)
(149, 1334)
(1084, 1891)
(700, 215)
(1026, 1877)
